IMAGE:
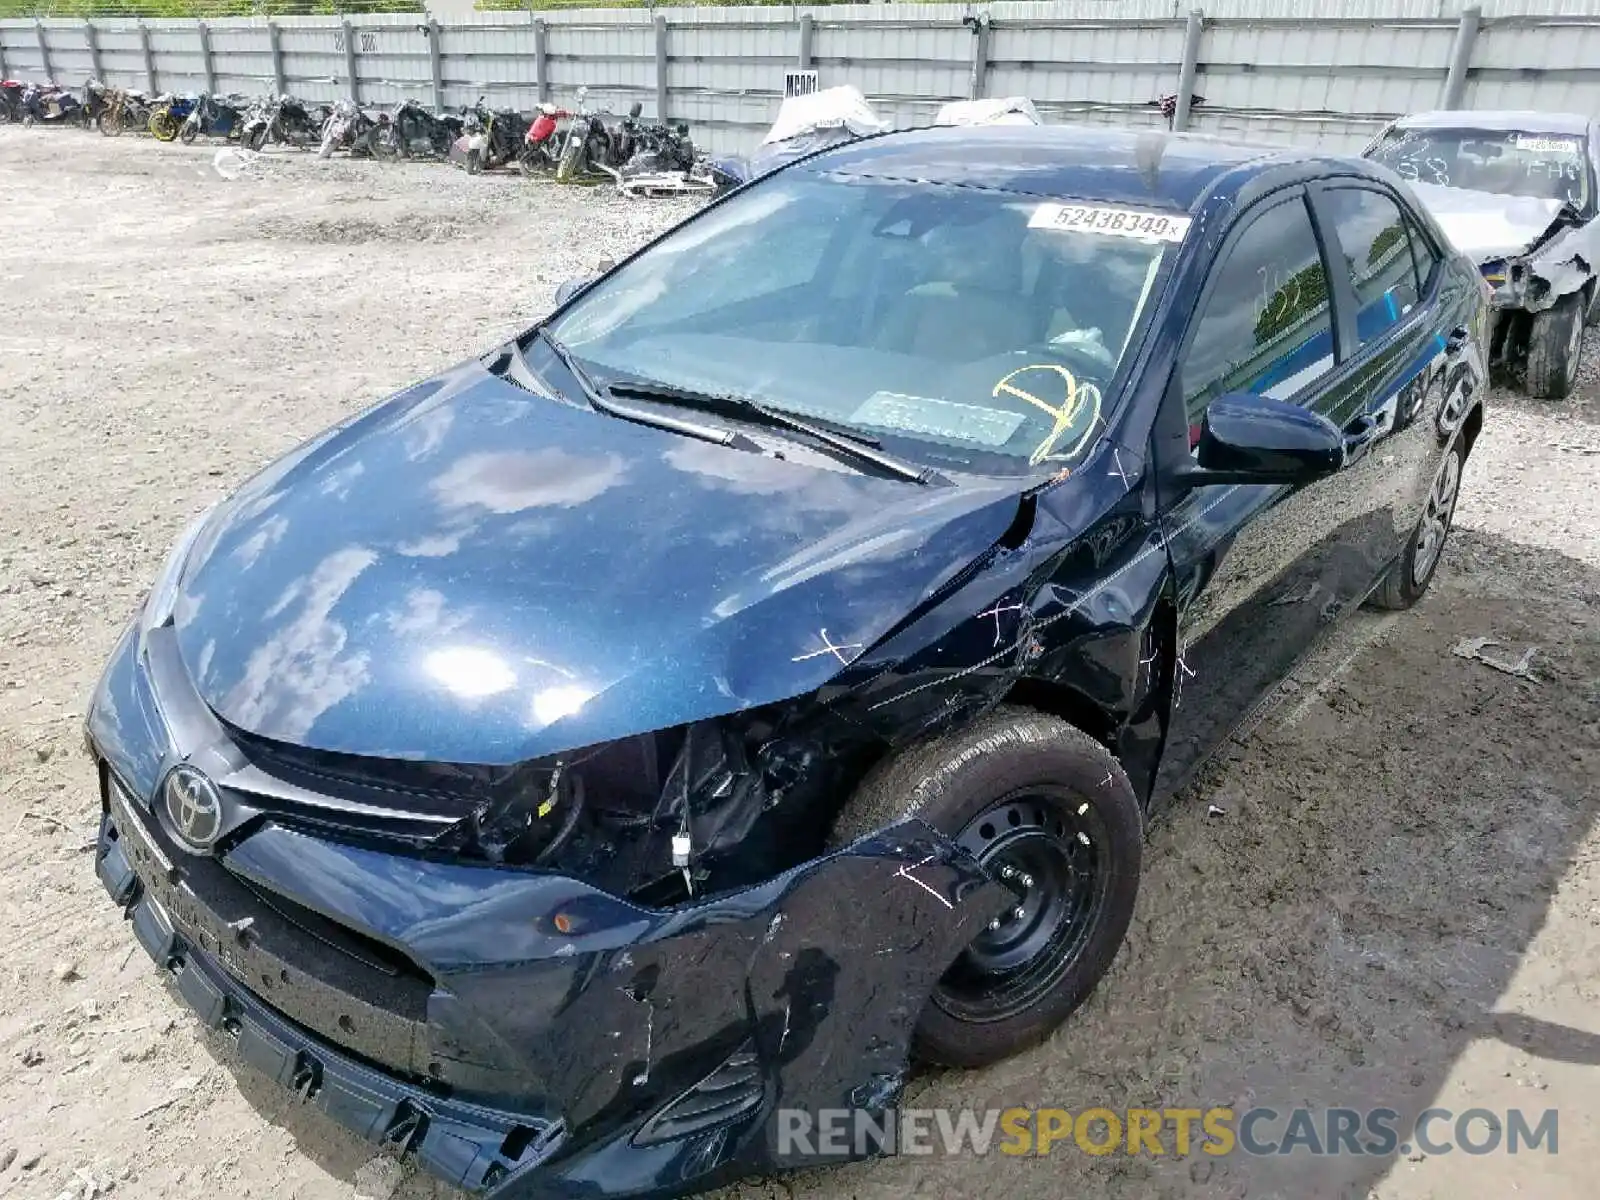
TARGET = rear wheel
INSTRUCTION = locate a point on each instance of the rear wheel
(163, 126)
(1051, 814)
(1408, 579)
(1554, 345)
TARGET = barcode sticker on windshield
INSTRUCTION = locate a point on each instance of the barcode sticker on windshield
(1113, 222)
(1547, 145)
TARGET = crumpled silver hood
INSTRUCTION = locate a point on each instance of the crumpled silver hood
(1484, 225)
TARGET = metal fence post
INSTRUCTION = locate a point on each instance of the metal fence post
(804, 61)
(541, 58)
(92, 42)
(350, 62)
(206, 65)
(4, 74)
(1190, 68)
(980, 55)
(1455, 82)
(275, 44)
(661, 69)
(436, 64)
(44, 51)
(149, 60)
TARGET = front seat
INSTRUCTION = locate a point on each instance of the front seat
(970, 304)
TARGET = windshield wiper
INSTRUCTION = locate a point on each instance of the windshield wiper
(860, 448)
(597, 401)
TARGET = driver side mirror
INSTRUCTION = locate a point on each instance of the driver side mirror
(1246, 438)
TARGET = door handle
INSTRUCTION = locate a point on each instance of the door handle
(1359, 435)
(1456, 340)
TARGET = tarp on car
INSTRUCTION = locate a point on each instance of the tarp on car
(842, 107)
(1008, 110)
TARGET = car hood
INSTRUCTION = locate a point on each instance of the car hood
(1486, 226)
(472, 573)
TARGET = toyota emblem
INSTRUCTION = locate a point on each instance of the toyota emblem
(193, 806)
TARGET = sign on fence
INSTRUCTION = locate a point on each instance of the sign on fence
(799, 83)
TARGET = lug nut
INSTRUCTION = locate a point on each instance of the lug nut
(1007, 872)
(1025, 880)
(994, 924)
(1019, 912)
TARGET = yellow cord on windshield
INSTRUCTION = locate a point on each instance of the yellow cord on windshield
(1079, 397)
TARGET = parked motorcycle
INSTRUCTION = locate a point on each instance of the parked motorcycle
(50, 105)
(281, 119)
(124, 110)
(541, 145)
(346, 127)
(498, 140)
(805, 123)
(212, 117)
(167, 115)
(11, 99)
(411, 131)
(589, 143)
(95, 99)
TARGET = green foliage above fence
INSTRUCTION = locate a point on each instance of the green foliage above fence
(201, 8)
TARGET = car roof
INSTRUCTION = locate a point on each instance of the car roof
(1149, 168)
(1497, 121)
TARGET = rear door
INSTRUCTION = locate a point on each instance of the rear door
(1260, 569)
(1409, 332)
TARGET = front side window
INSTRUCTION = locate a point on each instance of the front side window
(972, 327)
(1375, 238)
(1545, 166)
(1265, 326)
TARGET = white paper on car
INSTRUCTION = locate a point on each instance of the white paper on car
(1111, 221)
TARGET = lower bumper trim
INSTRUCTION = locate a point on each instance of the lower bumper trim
(464, 1144)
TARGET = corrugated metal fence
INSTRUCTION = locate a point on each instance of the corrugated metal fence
(1261, 66)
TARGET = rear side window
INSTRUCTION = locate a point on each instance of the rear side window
(1265, 326)
(1423, 255)
(1376, 240)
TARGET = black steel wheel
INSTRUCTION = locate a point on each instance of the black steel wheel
(1052, 815)
(1056, 860)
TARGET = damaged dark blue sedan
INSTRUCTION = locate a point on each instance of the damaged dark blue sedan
(757, 677)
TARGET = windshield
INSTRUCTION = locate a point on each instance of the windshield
(956, 325)
(1545, 166)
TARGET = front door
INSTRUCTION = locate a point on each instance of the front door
(1258, 569)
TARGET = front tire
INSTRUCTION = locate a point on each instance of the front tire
(1555, 344)
(1409, 578)
(188, 132)
(568, 165)
(163, 127)
(1051, 813)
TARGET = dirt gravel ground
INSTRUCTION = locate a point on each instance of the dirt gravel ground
(1398, 904)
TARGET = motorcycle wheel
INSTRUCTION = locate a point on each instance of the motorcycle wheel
(187, 133)
(385, 144)
(253, 139)
(109, 122)
(27, 121)
(163, 127)
(571, 162)
(474, 162)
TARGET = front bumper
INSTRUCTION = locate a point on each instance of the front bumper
(464, 1144)
(440, 1008)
